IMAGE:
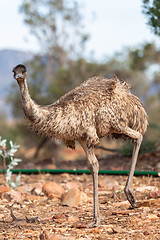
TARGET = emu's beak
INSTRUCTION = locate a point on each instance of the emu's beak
(19, 76)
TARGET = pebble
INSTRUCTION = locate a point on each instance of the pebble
(31, 197)
(4, 188)
(70, 185)
(83, 197)
(29, 188)
(23, 188)
(117, 229)
(37, 188)
(154, 194)
(52, 188)
(109, 228)
(146, 232)
(13, 196)
(46, 236)
(72, 197)
(109, 184)
(1, 217)
(146, 188)
(152, 216)
(72, 219)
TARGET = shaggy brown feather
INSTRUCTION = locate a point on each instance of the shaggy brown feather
(98, 107)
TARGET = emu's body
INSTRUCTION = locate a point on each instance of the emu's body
(98, 107)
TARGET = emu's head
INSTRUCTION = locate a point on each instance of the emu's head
(20, 72)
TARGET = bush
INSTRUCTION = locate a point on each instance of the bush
(8, 154)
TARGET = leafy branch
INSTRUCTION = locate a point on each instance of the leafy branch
(6, 153)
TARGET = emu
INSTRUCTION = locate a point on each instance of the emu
(96, 108)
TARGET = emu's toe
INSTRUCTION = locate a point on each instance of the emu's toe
(130, 196)
(94, 223)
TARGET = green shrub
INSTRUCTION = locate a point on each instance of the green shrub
(7, 155)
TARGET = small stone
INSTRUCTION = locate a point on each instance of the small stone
(46, 236)
(1, 217)
(50, 166)
(30, 187)
(152, 216)
(83, 197)
(4, 188)
(31, 197)
(59, 216)
(72, 198)
(23, 188)
(117, 229)
(37, 188)
(109, 228)
(121, 212)
(146, 232)
(110, 184)
(73, 219)
(52, 188)
(154, 194)
(13, 196)
(146, 188)
(94, 230)
(35, 185)
(65, 175)
(70, 185)
(102, 237)
(122, 204)
(36, 191)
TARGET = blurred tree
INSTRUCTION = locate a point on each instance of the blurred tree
(151, 8)
(58, 25)
(143, 57)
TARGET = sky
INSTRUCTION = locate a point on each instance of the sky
(112, 25)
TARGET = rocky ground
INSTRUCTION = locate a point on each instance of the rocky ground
(59, 207)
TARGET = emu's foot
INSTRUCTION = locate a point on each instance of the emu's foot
(94, 223)
(130, 196)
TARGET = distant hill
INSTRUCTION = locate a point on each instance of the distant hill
(8, 60)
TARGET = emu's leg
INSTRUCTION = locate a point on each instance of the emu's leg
(137, 139)
(94, 167)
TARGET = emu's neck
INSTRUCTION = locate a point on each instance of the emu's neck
(32, 111)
